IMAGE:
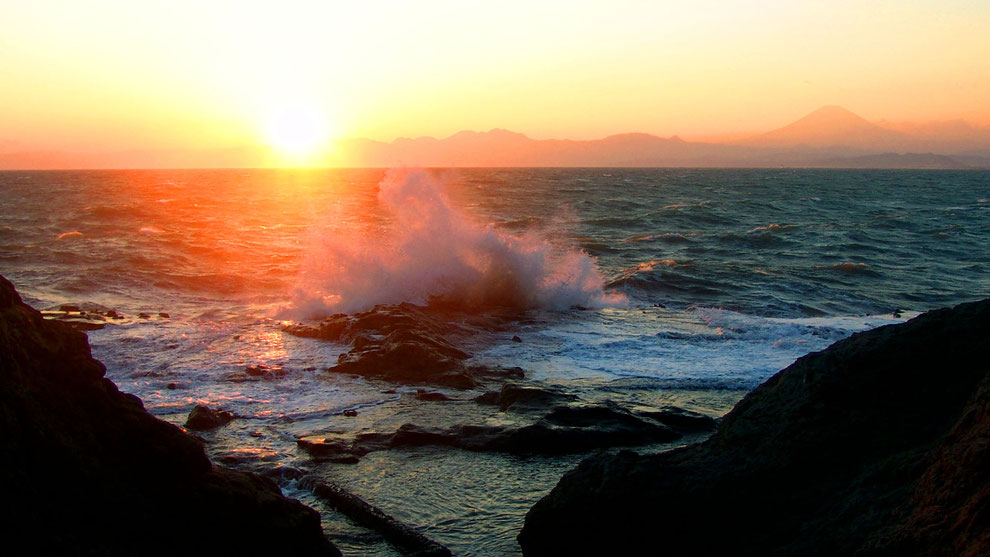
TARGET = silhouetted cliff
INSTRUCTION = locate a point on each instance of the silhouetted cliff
(86, 470)
(877, 444)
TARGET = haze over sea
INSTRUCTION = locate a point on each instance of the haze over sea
(681, 285)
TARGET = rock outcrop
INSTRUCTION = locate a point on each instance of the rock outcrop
(203, 417)
(399, 343)
(559, 423)
(86, 470)
(877, 445)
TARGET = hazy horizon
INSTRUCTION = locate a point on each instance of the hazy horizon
(101, 78)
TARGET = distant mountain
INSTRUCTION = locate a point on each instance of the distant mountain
(504, 148)
(828, 137)
(834, 127)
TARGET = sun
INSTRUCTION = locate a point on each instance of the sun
(296, 130)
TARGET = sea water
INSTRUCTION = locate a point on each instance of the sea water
(646, 286)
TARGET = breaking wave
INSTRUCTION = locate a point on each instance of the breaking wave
(430, 251)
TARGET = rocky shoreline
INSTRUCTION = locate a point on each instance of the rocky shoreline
(878, 445)
(88, 471)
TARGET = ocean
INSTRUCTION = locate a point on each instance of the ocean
(641, 286)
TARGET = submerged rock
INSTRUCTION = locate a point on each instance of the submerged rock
(876, 445)
(88, 471)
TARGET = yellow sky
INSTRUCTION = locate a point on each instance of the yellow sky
(101, 75)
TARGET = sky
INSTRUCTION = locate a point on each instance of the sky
(103, 76)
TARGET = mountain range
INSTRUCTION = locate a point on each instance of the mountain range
(830, 137)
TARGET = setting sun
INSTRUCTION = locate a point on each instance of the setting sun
(296, 130)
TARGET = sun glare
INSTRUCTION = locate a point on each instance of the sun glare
(296, 130)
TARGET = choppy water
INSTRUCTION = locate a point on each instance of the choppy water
(699, 285)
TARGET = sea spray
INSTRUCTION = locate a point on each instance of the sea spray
(430, 250)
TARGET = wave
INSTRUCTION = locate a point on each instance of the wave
(431, 251)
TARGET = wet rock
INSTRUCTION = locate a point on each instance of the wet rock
(69, 435)
(399, 343)
(301, 330)
(515, 338)
(265, 371)
(563, 430)
(409, 357)
(163, 315)
(69, 307)
(680, 419)
(876, 445)
(350, 413)
(114, 314)
(144, 315)
(405, 537)
(240, 377)
(84, 325)
(432, 396)
(488, 398)
(331, 450)
(519, 398)
(202, 418)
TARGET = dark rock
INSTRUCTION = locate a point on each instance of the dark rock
(350, 412)
(172, 386)
(489, 398)
(330, 449)
(680, 419)
(422, 394)
(519, 398)
(240, 377)
(163, 315)
(411, 359)
(84, 325)
(399, 343)
(114, 314)
(265, 372)
(68, 308)
(876, 445)
(81, 457)
(256, 371)
(144, 315)
(564, 430)
(301, 330)
(515, 338)
(203, 417)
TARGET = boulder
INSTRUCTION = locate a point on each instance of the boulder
(876, 445)
(202, 418)
(88, 471)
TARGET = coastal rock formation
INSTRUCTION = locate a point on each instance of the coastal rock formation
(399, 343)
(877, 445)
(86, 470)
(562, 426)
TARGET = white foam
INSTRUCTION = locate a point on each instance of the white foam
(430, 248)
(696, 348)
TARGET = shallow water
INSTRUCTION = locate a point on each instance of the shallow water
(708, 282)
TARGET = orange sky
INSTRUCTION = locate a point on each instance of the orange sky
(99, 76)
